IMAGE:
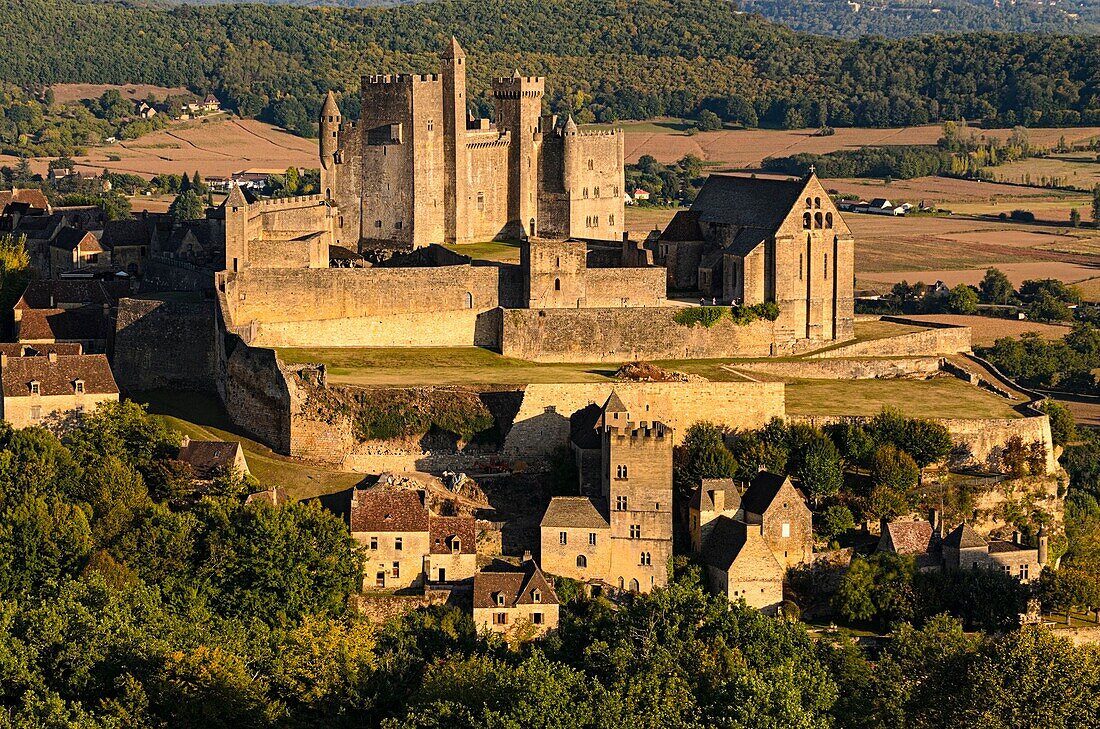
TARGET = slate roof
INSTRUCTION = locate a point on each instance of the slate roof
(87, 322)
(442, 528)
(207, 456)
(746, 240)
(963, 537)
(725, 541)
(69, 238)
(57, 377)
(747, 201)
(516, 584)
(761, 492)
(1003, 545)
(382, 509)
(684, 226)
(910, 537)
(579, 512)
(614, 404)
(135, 232)
(701, 498)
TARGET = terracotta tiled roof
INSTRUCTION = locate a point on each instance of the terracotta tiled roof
(964, 537)
(573, 511)
(380, 509)
(746, 201)
(34, 197)
(87, 322)
(57, 377)
(515, 584)
(15, 349)
(443, 529)
(701, 498)
(206, 456)
(684, 226)
(761, 492)
(910, 537)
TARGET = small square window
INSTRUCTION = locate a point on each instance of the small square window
(397, 544)
(536, 618)
(374, 542)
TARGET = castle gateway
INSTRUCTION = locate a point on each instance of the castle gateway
(419, 169)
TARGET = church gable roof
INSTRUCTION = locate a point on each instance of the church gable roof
(747, 202)
(684, 226)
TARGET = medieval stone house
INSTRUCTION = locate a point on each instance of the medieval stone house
(210, 458)
(624, 536)
(508, 598)
(756, 240)
(418, 168)
(47, 389)
(405, 544)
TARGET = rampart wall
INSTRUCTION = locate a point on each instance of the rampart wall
(614, 287)
(164, 344)
(932, 341)
(372, 307)
(622, 334)
(542, 423)
(850, 369)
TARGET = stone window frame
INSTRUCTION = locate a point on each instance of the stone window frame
(582, 562)
(621, 503)
(563, 537)
(499, 599)
(635, 531)
(35, 387)
(398, 544)
(500, 618)
(536, 618)
(645, 559)
(78, 387)
(480, 201)
(395, 571)
(592, 539)
(374, 543)
(536, 595)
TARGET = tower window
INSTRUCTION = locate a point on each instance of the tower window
(620, 472)
(806, 224)
(378, 224)
(557, 284)
(620, 503)
(591, 164)
(586, 193)
(596, 192)
(817, 202)
(800, 264)
(582, 561)
(817, 220)
(481, 201)
(611, 219)
(645, 559)
(431, 125)
(826, 266)
(635, 531)
(592, 538)
(828, 220)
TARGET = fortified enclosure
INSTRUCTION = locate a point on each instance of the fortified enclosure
(419, 169)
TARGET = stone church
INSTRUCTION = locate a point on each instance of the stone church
(419, 169)
(749, 240)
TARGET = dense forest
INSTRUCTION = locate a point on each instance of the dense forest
(605, 60)
(899, 18)
(127, 601)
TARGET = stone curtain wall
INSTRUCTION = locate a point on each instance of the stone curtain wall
(429, 306)
(164, 344)
(615, 287)
(945, 340)
(850, 369)
(622, 334)
(542, 423)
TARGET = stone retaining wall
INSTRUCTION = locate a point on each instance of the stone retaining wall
(850, 369)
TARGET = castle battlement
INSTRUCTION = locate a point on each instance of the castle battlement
(503, 141)
(617, 131)
(518, 81)
(288, 202)
(400, 79)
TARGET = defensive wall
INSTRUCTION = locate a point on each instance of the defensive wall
(164, 344)
(934, 339)
(646, 333)
(850, 369)
(543, 421)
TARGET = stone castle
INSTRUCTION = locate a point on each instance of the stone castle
(419, 169)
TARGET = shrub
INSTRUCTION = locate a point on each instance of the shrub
(387, 414)
(707, 316)
(743, 315)
(834, 521)
(1063, 429)
(1024, 216)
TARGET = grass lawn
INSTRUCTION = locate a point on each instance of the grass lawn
(942, 397)
(494, 250)
(202, 417)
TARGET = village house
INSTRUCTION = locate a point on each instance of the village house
(405, 544)
(623, 537)
(932, 547)
(129, 242)
(74, 249)
(748, 541)
(76, 311)
(509, 598)
(210, 458)
(49, 389)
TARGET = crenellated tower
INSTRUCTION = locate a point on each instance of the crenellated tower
(455, 193)
(329, 130)
(519, 111)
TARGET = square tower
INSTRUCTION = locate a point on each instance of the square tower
(637, 489)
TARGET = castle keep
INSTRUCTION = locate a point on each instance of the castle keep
(419, 169)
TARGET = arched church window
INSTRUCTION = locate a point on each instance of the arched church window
(469, 300)
(809, 203)
(806, 218)
(828, 220)
(817, 220)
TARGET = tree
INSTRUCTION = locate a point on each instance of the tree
(995, 288)
(187, 206)
(835, 521)
(962, 300)
(43, 540)
(927, 442)
(1062, 589)
(14, 270)
(1074, 217)
(820, 469)
(1063, 429)
(703, 454)
(894, 469)
(709, 121)
(1046, 307)
(1096, 205)
(879, 586)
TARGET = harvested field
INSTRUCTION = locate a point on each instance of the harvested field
(135, 92)
(746, 148)
(1081, 170)
(1016, 272)
(987, 329)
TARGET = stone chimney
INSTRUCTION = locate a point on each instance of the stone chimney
(1016, 537)
(527, 555)
(719, 499)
